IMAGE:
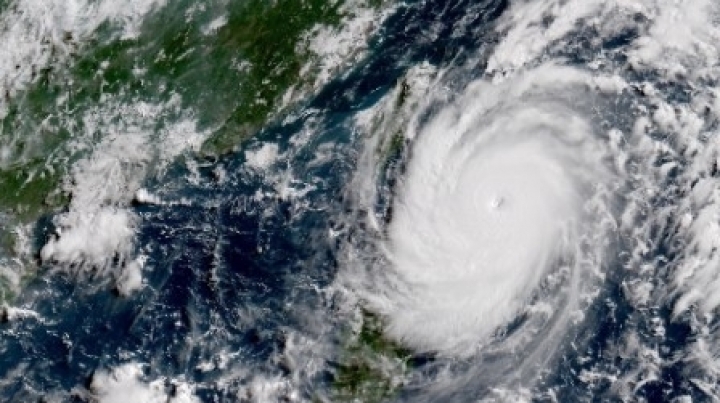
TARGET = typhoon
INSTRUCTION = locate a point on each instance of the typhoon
(359, 201)
(560, 198)
(500, 195)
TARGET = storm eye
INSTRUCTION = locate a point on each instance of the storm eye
(497, 202)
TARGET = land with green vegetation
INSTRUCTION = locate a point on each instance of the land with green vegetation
(373, 366)
(232, 75)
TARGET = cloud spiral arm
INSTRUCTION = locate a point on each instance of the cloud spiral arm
(500, 194)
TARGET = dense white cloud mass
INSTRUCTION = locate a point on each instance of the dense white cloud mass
(496, 197)
(125, 384)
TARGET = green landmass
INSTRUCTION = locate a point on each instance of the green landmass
(267, 39)
(371, 366)
(394, 123)
(29, 190)
(6, 292)
(233, 78)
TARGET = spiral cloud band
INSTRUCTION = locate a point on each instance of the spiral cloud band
(493, 201)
